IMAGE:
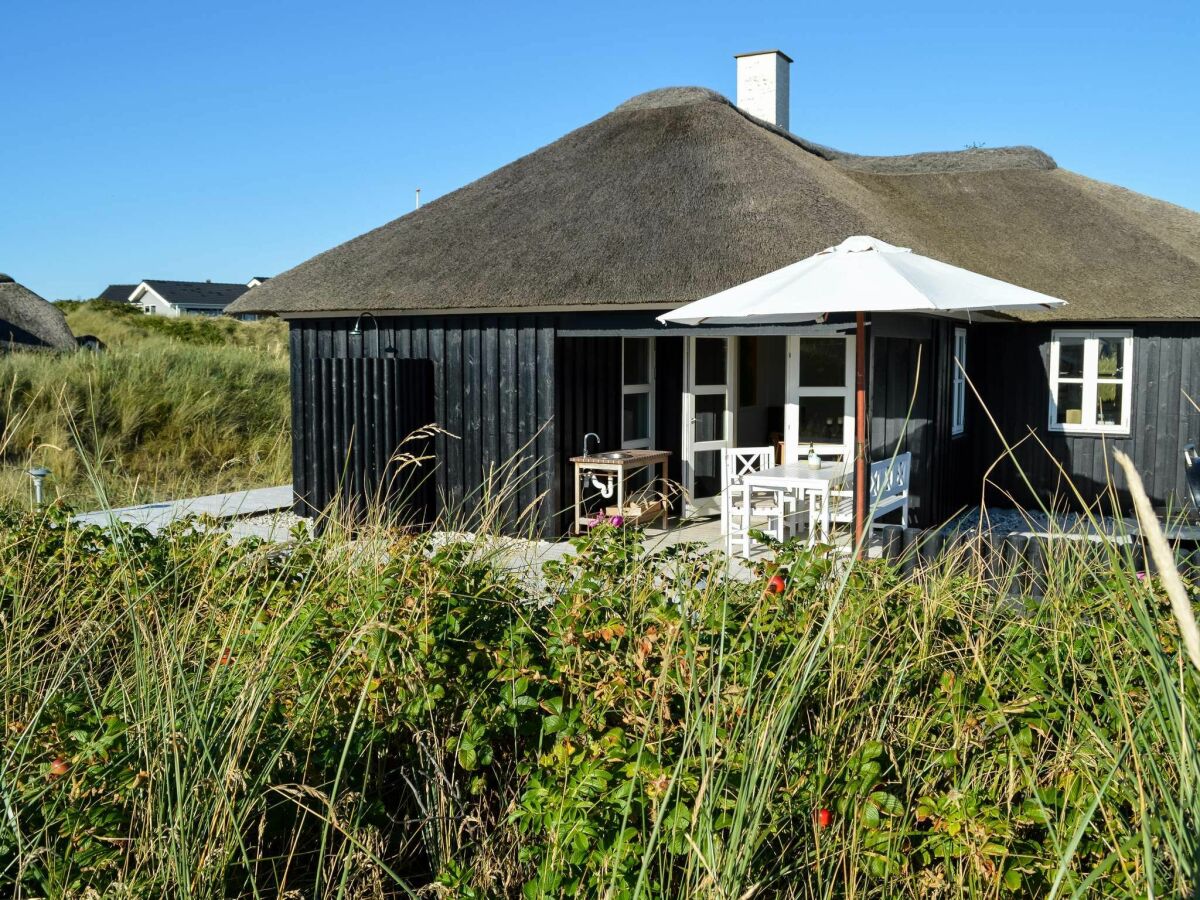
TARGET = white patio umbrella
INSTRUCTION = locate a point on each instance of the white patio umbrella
(860, 275)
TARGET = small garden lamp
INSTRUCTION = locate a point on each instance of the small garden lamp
(38, 474)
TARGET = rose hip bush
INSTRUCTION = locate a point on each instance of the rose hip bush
(383, 714)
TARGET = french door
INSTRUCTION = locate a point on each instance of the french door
(818, 407)
(820, 397)
(710, 370)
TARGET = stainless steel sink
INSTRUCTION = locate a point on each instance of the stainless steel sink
(615, 454)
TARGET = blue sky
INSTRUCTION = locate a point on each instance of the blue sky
(223, 140)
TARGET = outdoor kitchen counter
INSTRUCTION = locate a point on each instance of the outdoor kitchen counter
(620, 463)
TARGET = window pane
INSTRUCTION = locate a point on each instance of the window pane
(637, 360)
(707, 472)
(1108, 404)
(1070, 358)
(822, 362)
(636, 420)
(710, 417)
(1111, 362)
(821, 420)
(710, 360)
(1070, 404)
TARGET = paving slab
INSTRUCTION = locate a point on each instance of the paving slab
(156, 516)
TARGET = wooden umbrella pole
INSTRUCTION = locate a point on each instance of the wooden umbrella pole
(860, 431)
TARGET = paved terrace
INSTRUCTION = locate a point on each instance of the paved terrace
(266, 513)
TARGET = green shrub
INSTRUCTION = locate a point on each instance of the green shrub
(390, 714)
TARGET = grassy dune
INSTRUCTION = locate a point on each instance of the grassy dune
(385, 717)
(173, 407)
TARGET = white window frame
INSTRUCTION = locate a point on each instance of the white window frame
(958, 384)
(647, 442)
(1090, 379)
(793, 446)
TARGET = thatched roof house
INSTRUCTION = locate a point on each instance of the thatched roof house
(518, 312)
(29, 322)
(677, 194)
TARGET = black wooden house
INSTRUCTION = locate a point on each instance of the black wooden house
(518, 313)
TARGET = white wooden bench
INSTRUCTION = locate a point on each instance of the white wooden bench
(889, 491)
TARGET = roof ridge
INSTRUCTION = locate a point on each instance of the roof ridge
(969, 159)
(186, 281)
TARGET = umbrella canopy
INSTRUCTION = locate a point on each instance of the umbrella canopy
(861, 274)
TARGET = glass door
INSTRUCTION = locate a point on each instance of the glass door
(708, 417)
(820, 398)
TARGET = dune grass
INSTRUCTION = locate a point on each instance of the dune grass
(172, 408)
(387, 715)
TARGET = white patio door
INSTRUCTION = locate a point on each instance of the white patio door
(820, 397)
(710, 371)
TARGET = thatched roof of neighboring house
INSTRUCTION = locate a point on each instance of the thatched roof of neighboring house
(676, 194)
(28, 321)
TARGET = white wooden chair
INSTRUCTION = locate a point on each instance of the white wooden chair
(739, 507)
(888, 480)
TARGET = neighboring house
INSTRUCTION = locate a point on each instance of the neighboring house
(29, 322)
(117, 293)
(179, 298)
(257, 280)
(519, 311)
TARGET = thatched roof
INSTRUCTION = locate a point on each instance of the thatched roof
(676, 195)
(28, 321)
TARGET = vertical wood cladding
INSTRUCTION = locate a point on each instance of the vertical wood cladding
(1012, 377)
(492, 390)
(352, 422)
(587, 398)
(905, 408)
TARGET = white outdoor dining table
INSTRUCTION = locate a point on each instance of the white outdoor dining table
(803, 479)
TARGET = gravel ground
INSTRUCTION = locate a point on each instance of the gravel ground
(1006, 520)
(275, 527)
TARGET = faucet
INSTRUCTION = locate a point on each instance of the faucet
(590, 434)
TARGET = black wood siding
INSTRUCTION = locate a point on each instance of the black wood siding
(587, 399)
(1013, 383)
(903, 404)
(493, 391)
(351, 437)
